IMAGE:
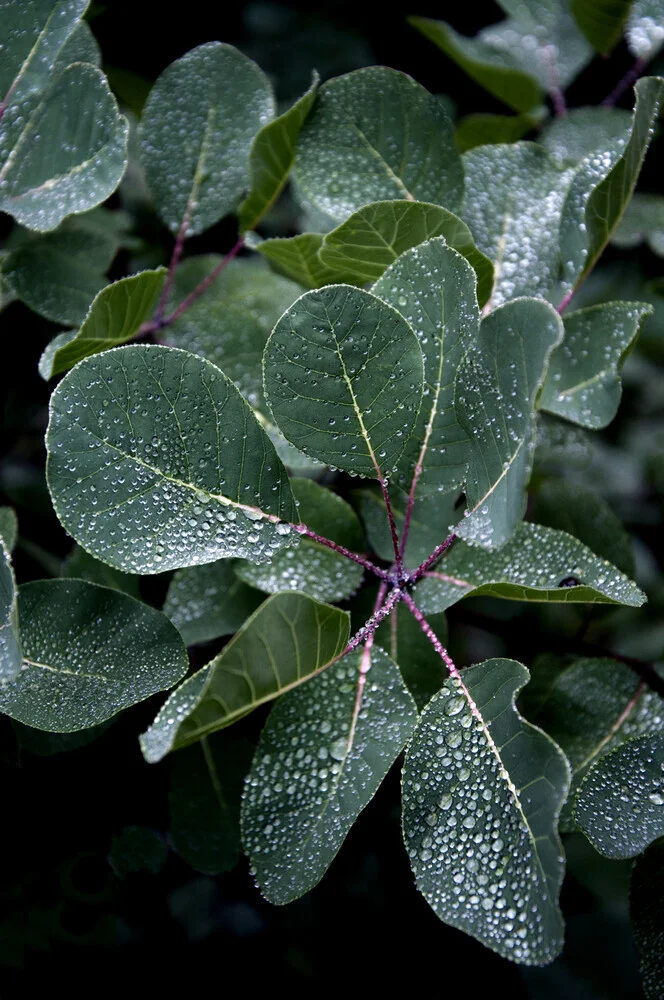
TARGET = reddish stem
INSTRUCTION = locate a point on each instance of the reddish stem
(436, 554)
(565, 302)
(205, 283)
(172, 267)
(630, 77)
(431, 635)
(365, 666)
(392, 523)
(302, 529)
(369, 627)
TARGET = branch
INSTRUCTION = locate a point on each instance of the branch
(431, 636)
(436, 554)
(302, 529)
(370, 626)
(172, 267)
(365, 666)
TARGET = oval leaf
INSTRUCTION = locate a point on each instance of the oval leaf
(10, 650)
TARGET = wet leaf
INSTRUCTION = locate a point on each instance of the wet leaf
(601, 21)
(298, 257)
(206, 602)
(8, 527)
(481, 130)
(583, 131)
(419, 664)
(10, 650)
(433, 517)
(645, 35)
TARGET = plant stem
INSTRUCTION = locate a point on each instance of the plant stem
(365, 666)
(436, 554)
(302, 529)
(630, 77)
(558, 101)
(392, 523)
(431, 636)
(370, 626)
(172, 267)
(565, 302)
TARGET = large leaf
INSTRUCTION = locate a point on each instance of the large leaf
(620, 805)
(497, 385)
(299, 804)
(482, 790)
(645, 35)
(584, 131)
(343, 378)
(35, 32)
(647, 918)
(310, 567)
(601, 21)
(196, 133)
(435, 290)
(536, 564)
(514, 197)
(10, 650)
(582, 383)
(287, 640)
(374, 135)
(204, 801)
(271, 157)
(157, 462)
(115, 316)
(231, 322)
(603, 186)
(88, 652)
(205, 602)
(643, 220)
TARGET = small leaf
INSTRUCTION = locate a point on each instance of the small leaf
(536, 564)
(287, 640)
(297, 257)
(137, 849)
(583, 131)
(157, 462)
(299, 807)
(271, 157)
(645, 36)
(374, 135)
(645, 905)
(80, 565)
(310, 567)
(601, 21)
(435, 291)
(343, 378)
(115, 316)
(88, 652)
(497, 385)
(8, 527)
(206, 602)
(10, 650)
(196, 134)
(230, 324)
(482, 790)
(514, 197)
(582, 383)
(643, 220)
(620, 805)
(603, 186)
(204, 801)
(480, 129)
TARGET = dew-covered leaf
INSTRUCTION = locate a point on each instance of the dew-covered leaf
(206, 602)
(196, 133)
(482, 129)
(419, 663)
(80, 565)
(582, 383)
(583, 131)
(88, 652)
(620, 804)
(433, 517)
(482, 790)
(322, 756)
(514, 198)
(298, 257)
(497, 385)
(115, 316)
(271, 157)
(81, 46)
(602, 187)
(230, 324)
(204, 801)
(645, 28)
(8, 527)
(310, 567)
(35, 32)
(535, 564)
(157, 462)
(643, 220)
(10, 650)
(435, 290)
(647, 918)
(601, 21)
(343, 379)
(374, 135)
(287, 640)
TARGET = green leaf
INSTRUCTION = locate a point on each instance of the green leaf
(620, 805)
(8, 527)
(309, 567)
(43, 744)
(230, 324)
(601, 21)
(137, 849)
(584, 131)
(581, 512)
(644, 28)
(80, 565)
(433, 517)
(643, 220)
(196, 133)
(603, 186)
(10, 650)
(343, 379)
(81, 46)
(497, 385)
(482, 129)
(115, 316)
(287, 640)
(271, 157)
(419, 663)
(297, 257)
(35, 32)
(645, 899)
(298, 807)
(204, 801)
(482, 790)
(206, 602)
(88, 652)
(514, 197)
(582, 383)
(487, 65)
(435, 291)
(157, 462)
(536, 564)
(376, 135)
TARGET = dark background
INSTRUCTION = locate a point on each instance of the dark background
(67, 919)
